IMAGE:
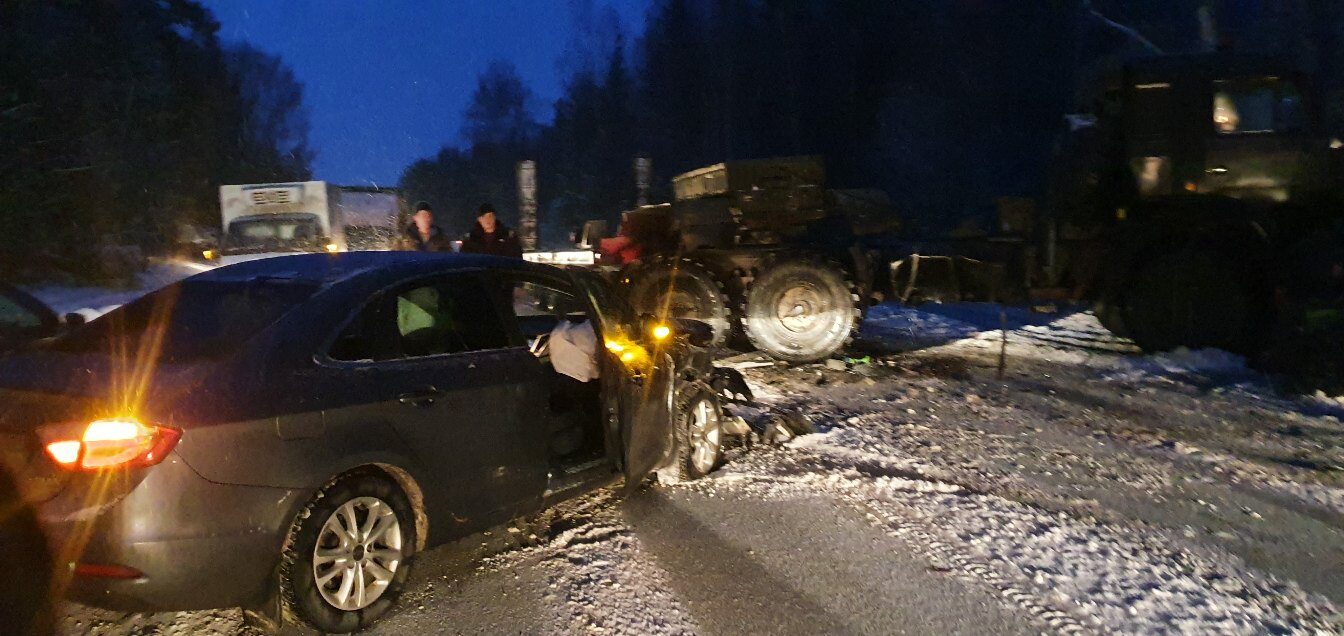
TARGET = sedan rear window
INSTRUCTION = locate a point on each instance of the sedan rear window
(190, 320)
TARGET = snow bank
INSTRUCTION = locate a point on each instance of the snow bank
(1072, 337)
(1182, 364)
(899, 327)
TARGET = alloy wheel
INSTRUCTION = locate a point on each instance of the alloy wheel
(358, 551)
(706, 432)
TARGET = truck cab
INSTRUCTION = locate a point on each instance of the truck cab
(1202, 176)
(1214, 125)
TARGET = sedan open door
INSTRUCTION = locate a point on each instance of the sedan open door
(639, 383)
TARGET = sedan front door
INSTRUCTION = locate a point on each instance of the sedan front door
(642, 390)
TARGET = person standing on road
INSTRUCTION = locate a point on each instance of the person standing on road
(422, 235)
(491, 237)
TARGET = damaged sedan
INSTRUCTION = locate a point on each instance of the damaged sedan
(320, 419)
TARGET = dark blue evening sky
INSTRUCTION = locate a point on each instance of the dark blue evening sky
(386, 82)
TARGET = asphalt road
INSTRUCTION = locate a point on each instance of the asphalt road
(733, 564)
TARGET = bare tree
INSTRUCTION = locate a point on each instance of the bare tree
(273, 121)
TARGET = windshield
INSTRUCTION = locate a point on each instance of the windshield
(190, 320)
(272, 232)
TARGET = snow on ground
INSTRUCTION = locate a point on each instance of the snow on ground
(1135, 494)
(92, 301)
(1072, 574)
(600, 579)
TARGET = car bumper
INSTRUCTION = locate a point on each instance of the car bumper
(174, 540)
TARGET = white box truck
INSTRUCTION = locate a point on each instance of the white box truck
(268, 219)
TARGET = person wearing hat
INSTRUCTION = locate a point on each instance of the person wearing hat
(491, 237)
(422, 235)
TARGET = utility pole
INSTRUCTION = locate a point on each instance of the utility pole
(527, 204)
(643, 176)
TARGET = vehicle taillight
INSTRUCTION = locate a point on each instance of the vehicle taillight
(110, 443)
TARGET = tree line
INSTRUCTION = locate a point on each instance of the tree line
(118, 122)
(944, 104)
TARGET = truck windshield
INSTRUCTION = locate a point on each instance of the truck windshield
(189, 321)
(297, 231)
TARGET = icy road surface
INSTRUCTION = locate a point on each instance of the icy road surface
(1088, 491)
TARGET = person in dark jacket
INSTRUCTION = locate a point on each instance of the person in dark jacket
(491, 237)
(422, 235)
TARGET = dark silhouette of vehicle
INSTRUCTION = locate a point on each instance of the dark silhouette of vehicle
(1199, 202)
(25, 320)
(286, 434)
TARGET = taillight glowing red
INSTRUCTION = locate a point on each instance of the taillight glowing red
(111, 443)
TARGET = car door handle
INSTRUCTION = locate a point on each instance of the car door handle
(424, 396)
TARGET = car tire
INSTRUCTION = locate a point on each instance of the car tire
(699, 436)
(800, 309)
(376, 554)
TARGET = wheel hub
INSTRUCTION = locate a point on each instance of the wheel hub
(358, 552)
(705, 433)
(799, 308)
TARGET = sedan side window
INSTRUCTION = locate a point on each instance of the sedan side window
(433, 317)
(538, 306)
(427, 322)
(367, 337)
(449, 315)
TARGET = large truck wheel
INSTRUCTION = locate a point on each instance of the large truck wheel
(680, 288)
(1195, 299)
(800, 309)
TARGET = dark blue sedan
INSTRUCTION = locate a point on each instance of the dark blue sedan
(290, 432)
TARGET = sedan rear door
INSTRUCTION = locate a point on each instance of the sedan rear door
(448, 381)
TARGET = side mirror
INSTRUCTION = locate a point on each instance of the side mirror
(75, 319)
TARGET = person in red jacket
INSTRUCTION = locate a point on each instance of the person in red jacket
(491, 237)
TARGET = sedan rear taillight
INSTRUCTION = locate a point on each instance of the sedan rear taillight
(110, 443)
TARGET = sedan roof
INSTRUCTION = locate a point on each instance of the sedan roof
(328, 268)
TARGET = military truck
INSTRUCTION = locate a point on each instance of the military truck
(759, 249)
(1198, 202)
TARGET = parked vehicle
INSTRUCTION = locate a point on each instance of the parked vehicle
(25, 320)
(1210, 187)
(288, 433)
(1196, 201)
(265, 219)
